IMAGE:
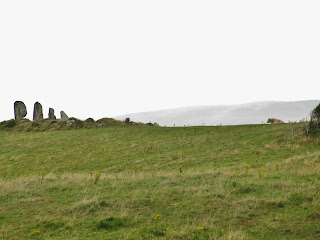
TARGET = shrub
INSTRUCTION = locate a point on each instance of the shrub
(313, 128)
(89, 120)
(9, 124)
(78, 124)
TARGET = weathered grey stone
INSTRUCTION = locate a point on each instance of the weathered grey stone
(37, 112)
(64, 116)
(20, 110)
(70, 122)
(274, 121)
(51, 115)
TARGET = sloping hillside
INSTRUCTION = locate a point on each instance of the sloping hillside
(250, 113)
(139, 182)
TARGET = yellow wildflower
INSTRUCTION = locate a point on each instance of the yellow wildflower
(157, 217)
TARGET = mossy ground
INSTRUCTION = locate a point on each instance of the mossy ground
(229, 182)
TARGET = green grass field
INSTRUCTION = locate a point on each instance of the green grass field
(145, 182)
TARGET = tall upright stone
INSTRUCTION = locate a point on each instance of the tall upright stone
(51, 115)
(64, 116)
(37, 112)
(20, 110)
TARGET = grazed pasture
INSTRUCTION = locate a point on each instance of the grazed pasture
(143, 182)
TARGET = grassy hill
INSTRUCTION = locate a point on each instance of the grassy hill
(144, 182)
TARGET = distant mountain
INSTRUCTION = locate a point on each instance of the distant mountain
(249, 113)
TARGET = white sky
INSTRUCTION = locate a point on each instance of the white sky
(106, 58)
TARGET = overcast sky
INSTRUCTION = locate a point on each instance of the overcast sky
(107, 58)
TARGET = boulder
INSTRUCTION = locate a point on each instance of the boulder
(70, 122)
(64, 116)
(20, 110)
(37, 112)
(127, 121)
(51, 115)
(274, 121)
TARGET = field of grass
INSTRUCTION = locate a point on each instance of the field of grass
(146, 182)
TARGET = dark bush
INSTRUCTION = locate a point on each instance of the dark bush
(89, 120)
(9, 124)
(313, 128)
(77, 123)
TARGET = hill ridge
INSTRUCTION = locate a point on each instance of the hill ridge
(245, 113)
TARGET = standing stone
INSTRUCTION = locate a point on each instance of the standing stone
(64, 116)
(51, 115)
(127, 120)
(20, 110)
(37, 112)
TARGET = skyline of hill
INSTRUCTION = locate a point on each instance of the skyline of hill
(248, 113)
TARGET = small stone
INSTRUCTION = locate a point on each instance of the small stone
(69, 123)
(20, 110)
(51, 115)
(37, 112)
(64, 116)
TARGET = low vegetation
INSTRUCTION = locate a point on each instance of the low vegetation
(54, 125)
(141, 182)
(313, 127)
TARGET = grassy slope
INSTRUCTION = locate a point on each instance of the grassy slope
(194, 177)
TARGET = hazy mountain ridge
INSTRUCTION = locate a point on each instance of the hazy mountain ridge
(249, 113)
